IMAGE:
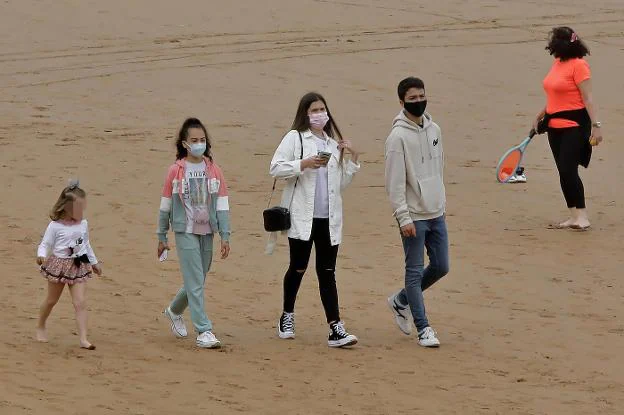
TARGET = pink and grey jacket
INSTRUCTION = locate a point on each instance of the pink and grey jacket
(172, 204)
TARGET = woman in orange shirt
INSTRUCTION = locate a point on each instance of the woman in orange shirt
(570, 119)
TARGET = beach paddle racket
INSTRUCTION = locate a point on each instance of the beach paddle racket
(509, 163)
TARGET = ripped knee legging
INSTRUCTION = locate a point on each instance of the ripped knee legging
(325, 269)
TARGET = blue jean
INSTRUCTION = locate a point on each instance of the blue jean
(430, 234)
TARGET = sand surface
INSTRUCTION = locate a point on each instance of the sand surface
(531, 319)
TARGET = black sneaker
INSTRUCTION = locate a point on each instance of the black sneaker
(338, 336)
(286, 326)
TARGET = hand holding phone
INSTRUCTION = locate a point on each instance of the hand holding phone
(324, 156)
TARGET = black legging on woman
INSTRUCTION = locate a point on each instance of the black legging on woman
(325, 269)
(567, 145)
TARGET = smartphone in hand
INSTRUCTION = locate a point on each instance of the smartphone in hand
(324, 155)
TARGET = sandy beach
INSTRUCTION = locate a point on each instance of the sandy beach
(531, 319)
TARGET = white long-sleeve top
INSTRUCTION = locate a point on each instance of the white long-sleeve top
(67, 241)
(286, 164)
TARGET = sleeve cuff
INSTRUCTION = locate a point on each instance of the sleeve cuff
(405, 220)
(353, 167)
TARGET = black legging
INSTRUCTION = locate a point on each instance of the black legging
(325, 269)
(566, 145)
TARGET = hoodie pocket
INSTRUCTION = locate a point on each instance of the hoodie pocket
(431, 194)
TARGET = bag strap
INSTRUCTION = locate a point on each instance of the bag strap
(296, 181)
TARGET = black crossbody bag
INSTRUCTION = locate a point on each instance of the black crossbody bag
(277, 218)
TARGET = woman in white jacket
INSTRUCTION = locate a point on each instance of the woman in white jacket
(311, 159)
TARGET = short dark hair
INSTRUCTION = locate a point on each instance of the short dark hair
(565, 44)
(408, 83)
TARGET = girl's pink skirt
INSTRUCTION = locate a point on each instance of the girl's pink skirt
(66, 270)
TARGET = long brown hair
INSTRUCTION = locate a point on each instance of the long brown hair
(302, 121)
(68, 195)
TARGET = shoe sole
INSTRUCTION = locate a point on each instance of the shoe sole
(350, 341)
(173, 329)
(390, 303)
(285, 336)
(216, 345)
(430, 346)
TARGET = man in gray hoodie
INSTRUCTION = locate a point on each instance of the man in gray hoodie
(414, 183)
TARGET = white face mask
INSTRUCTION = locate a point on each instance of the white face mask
(318, 120)
(197, 149)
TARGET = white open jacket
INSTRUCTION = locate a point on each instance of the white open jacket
(286, 164)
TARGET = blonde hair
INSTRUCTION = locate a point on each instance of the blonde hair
(68, 195)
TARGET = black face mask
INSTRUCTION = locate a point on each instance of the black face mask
(417, 109)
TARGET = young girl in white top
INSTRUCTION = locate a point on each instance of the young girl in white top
(311, 159)
(72, 261)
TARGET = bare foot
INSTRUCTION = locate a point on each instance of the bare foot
(567, 223)
(42, 335)
(580, 223)
(86, 345)
(564, 225)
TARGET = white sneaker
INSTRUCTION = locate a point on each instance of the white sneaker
(401, 313)
(427, 338)
(178, 328)
(517, 178)
(207, 340)
(286, 326)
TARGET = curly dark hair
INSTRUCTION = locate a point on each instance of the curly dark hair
(183, 135)
(565, 44)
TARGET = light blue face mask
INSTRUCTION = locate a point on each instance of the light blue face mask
(197, 149)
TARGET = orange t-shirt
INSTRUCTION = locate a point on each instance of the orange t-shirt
(562, 91)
